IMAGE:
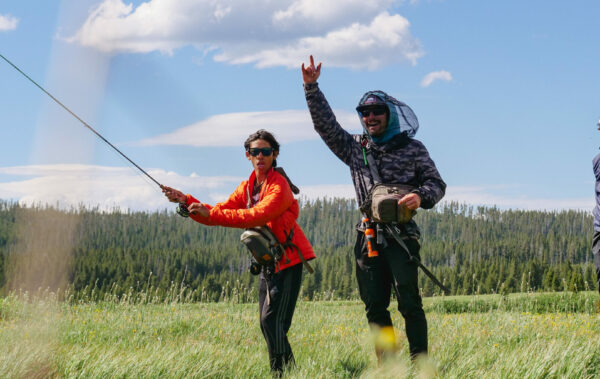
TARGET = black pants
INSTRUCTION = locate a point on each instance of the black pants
(276, 312)
(596, 252)
(376, 276)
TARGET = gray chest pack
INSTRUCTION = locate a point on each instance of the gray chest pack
(383, 206)
(264, 247)
(382, 203)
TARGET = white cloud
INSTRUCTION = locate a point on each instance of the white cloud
(476, 196)
(385, 41)
(330, 191)
(325, 12)
(436, 75)
(106, 187)
(226, 129)
(346, 33)
(8, 22)
(490, 196)
(72, 185)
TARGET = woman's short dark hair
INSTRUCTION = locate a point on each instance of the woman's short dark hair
(266, 136)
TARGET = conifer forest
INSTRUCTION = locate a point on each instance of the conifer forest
(473, 250)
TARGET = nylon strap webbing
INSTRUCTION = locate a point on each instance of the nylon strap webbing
(394, 233)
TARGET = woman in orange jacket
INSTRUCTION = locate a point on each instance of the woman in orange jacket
(264, 199)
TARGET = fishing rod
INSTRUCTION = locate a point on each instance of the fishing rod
(80, 120)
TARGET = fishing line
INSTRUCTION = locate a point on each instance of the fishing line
(80, 120)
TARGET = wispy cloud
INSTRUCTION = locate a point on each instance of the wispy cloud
(345, 33)
(436, 75)
(493, 196)
(329, 191)
(8, 22)
(476, 196)
(71, 185)
(352, 47)
(226, 129)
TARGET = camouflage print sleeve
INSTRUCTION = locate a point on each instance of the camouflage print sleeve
(432, 187)
(337, 139)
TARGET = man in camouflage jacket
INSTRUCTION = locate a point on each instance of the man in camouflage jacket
(389, 126)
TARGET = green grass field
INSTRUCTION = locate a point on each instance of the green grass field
(516, 336)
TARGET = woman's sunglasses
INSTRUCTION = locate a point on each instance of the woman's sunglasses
(377, 111)
(266, 151)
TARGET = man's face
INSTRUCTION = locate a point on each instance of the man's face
(375, 119)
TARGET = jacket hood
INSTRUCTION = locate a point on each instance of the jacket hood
(401, 118)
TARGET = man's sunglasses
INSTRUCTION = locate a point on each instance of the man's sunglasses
(266, 151)
(377, 111)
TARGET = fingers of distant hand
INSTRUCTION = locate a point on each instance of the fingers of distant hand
(173, 195)
(168, 193)
(307, 70)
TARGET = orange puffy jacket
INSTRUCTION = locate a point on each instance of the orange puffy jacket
(276, 208)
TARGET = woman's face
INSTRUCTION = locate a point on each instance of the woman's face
(256, 154)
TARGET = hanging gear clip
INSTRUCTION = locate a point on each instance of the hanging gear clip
(371, 238)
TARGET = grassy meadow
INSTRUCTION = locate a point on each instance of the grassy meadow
(533, 335)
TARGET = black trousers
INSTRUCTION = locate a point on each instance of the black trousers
(277, 296)
(596, 252)
(392, 269)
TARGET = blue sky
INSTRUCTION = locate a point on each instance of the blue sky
(507, 94)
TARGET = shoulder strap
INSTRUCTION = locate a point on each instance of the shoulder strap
(248, 196)
(295, 189)
(288, 243)
(368, 157)
(392, 231)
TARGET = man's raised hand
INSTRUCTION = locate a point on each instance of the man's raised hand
(311, 73)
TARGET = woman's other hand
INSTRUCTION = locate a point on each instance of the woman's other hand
(198, 209)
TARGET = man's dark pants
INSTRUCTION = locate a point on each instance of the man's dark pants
(376, 277)
(276, 312)
(596, 252)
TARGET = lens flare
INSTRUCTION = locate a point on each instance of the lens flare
(385, 339)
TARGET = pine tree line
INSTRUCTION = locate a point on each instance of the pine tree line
(471, 249)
